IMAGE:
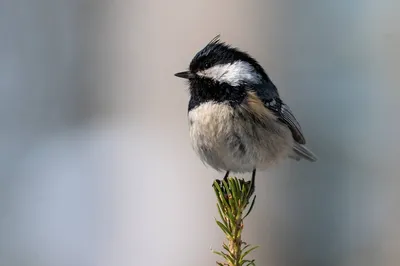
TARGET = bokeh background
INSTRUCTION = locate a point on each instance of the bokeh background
(96, 168)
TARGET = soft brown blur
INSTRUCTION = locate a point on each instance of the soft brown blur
(96, 168)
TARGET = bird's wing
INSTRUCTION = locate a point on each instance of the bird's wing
(269, 96)
(285, 115)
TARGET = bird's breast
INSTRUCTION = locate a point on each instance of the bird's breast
(229, 138)
(210, 126)
(210, 120)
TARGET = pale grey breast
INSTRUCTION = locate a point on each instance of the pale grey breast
(229, 139)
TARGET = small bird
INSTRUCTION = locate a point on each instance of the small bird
(237, 120)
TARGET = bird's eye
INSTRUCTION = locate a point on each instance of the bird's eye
(207, 65)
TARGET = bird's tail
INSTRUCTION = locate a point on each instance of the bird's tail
(302, 152)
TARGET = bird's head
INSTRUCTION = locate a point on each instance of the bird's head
(221, 73)
(219, 63)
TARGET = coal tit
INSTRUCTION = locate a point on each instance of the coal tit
(237, 121)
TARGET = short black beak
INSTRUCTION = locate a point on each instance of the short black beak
(184, 75)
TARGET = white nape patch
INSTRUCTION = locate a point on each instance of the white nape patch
(232, 73)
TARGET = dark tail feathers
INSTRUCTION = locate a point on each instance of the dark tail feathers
(302, 152)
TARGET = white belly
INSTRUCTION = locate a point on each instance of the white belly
(229, 142)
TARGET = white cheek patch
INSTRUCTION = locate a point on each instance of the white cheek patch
(232, 73)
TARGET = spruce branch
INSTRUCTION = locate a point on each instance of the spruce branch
(234, 197)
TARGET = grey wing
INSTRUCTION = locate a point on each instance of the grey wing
(268, 94)
(300, 150)
(288, 118)
(285, 115)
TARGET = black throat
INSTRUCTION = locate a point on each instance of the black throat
(204, 90)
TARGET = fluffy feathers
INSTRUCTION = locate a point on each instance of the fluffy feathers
(237, 120)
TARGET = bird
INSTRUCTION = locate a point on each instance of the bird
(236, 117)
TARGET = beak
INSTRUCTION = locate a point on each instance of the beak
(184, 75)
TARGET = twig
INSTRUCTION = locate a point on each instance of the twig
(234, 196)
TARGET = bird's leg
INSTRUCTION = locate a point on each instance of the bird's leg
(253, 181)
(226, 176)
(225, 179)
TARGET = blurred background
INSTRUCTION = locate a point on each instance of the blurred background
(96, 168)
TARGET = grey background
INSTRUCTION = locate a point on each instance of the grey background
(95, 162)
